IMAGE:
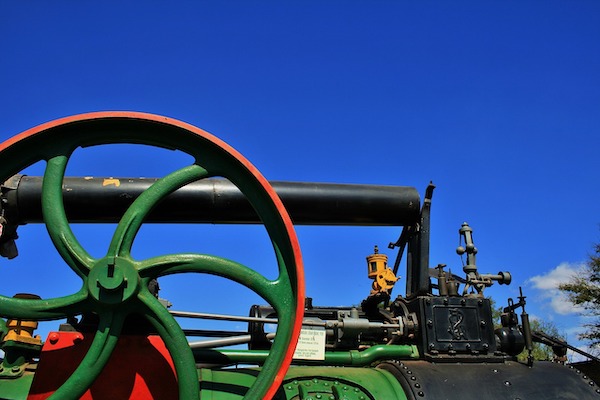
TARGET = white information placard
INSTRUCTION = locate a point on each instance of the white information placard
(311, 344)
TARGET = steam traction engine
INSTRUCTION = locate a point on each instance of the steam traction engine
(118, 339)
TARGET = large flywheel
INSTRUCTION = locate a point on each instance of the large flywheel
(115, 285)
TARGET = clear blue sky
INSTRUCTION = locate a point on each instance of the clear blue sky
(498, 103)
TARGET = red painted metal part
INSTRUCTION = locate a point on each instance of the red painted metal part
(139, 368)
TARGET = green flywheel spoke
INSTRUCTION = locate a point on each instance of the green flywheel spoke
(277, 293)
(132, 220)
(44, 310)
(56, 221)
(177, 344)
(272, 291)
(95, 359)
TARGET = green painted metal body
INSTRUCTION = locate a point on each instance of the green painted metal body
(307, 383)
(300, 383)
(16, 389)
(342, 375)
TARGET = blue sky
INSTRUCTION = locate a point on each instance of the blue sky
(497, 103)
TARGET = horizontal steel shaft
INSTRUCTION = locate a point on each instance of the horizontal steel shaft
(216, 201)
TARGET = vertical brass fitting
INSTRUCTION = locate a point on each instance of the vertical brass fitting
(383, 277)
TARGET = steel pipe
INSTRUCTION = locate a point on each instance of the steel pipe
(216, 201)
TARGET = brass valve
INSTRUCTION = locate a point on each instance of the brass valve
(383, 277)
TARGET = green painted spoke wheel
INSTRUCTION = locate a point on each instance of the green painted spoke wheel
(272, 291)
(44, 310)
(176, 342)
(56, 220)
(116, 285)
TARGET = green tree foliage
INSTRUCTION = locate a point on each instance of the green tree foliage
(496, 312)
(584, 291)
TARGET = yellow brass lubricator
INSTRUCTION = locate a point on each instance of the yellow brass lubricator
(383, 277)
(22, 331)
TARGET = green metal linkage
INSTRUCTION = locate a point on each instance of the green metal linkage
(341, 358)
(17, 356)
